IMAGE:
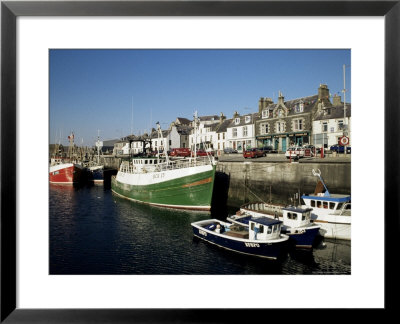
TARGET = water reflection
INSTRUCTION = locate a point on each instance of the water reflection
(93, 231)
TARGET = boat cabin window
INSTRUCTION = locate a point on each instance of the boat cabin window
(275, 228)
(145, 161)
(332, 205)
(261, 229)
(325, 204)
(292, 216)
(303, 217)
(312, 203)
(252, 226)
(269, 230)
(340, 205)
(319, 204)
(348, 207)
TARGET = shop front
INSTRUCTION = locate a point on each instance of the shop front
(281, 142)
(299, 139)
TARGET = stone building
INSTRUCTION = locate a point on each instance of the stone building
(287, 123)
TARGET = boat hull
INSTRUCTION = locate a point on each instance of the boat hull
(189, 188)
(305, 237)
(268, 250)
(96, 174)
(67, 173)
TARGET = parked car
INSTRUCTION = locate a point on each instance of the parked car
(202, 153)
(268, 149)
(314, 149)
(340, 149)
(181, 151)
(229, 150)
(253, 153)
(294, 152)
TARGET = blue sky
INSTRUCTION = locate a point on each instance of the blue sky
(115, 91)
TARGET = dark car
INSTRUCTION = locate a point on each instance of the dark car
(228, 150)
(268, 149)
(253, 153)
(340, 149)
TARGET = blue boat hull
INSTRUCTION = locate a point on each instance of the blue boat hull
(96, 175)
(259, 249)
(305, 239)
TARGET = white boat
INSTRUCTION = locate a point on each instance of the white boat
(261, 238)
(332, 212)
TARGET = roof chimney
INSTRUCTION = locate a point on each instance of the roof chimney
(337, 100)
(323, 92)
(281, 98)
(260, 104)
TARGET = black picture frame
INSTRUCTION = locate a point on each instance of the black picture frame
(10, 10)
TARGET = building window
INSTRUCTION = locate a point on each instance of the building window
(324, 127)
(300, 107)
(237, 121)
(280, 127)
(247, 119)
(264, 128)
(234, 132)
(298, 124)
(265, 114)
(223, 136)
(340, 125)
(244, 131)
(218, 137)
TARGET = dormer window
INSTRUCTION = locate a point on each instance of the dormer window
(265, 114)
(237, 121)
(300, 107)
(247, 119)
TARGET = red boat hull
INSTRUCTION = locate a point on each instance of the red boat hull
(65, 174)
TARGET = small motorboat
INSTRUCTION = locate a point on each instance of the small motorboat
(297, 224)
(261, 238)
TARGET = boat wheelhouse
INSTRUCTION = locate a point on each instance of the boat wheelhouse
(261, 238)
(331, 211)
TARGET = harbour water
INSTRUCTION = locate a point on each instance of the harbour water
(93, 231)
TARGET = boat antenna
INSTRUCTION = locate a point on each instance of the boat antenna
(318, 174)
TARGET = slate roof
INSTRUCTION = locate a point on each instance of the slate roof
(209, 118)
(253, 119)
(183, 121)
(335, 113)
(309, 103)
(183, 129)
(223, 126)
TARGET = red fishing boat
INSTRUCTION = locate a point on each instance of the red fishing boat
(65, 171)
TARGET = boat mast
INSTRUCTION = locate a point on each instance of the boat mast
(161, 141)
(195, 135)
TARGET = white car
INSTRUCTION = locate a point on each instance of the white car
(294, 152)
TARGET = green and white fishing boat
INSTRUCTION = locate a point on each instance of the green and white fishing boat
(184, 184)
